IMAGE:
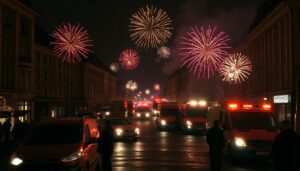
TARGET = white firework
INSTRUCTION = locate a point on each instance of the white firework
(164, 52)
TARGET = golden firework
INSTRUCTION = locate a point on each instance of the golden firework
(150, 27)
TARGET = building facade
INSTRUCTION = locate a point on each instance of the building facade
(183, 86)
(273, 46)
(17, 50)
(33, 79)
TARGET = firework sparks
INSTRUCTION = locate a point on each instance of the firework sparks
(164, 52)
(236, 68)
(131, 85)
(203, 51)
(129, 59)
(71, 42)
(114, 67)
(150, 27)
(147, 91)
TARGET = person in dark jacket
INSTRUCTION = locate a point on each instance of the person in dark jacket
(1, 132)
(18, 129)
(6, 129)
(284, 148)
(216, 141)
(106, 146)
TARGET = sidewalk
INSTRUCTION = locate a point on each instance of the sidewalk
(6, 149)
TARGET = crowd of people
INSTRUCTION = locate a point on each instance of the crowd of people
(9, 131)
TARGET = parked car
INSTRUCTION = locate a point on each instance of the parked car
(59, 144)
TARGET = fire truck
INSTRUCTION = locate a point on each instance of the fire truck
(169, 116)
(194, 117)
(249, 129)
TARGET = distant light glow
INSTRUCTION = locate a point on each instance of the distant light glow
(114, 67)
(156, 87)
(236, 68)
(129, 59)
(203, 51)
(147, 91)
(164, 52)
(150, 27)
(71, 42)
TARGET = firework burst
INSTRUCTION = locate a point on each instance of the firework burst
(131, 85)
(150, 27)
(71, 42)
(236, 68)
(203, 50)
(129, 59)
(114, 67)
(164, 52)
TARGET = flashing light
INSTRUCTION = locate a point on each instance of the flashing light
(137, 131)
(119, 131)
(202, 103)
(266, 106)
(163, 122)
(16, 161)
(193, 103)
(239, 142)
(248, 106)
(147, 115)
(189, 123)
(232, 105)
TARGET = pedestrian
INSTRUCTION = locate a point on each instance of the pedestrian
(6, 129)
(1, 132)
(18, 129)
(106, 146)
(216, 141)
(285, 148)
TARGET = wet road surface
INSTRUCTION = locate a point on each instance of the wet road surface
(171, 151)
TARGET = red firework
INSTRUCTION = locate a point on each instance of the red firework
(71, 42)
(129, 59)
(204, 51)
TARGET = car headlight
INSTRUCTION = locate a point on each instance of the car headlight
(137, 131)
(163, 122)
(16, 161)
(147, 115)
(239, 142)
(189, 123)
(74, 156)
(138, 115)
(119, 131)
(107, 113)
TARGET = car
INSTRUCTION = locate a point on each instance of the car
(104, 112)
(169, 116)
(124, 129)
(59, 144)
(143, 112)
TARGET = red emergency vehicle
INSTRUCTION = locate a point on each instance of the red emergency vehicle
(194, 117)
(249, 129)
(169, 116)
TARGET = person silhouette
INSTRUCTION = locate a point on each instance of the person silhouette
(106, 146)
(284, 148)
(6, 129)
(216, 141)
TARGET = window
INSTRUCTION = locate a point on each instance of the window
(24, 80)
(24, 105)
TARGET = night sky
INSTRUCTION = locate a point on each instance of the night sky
(107, 24)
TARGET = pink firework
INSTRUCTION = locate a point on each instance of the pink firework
(71, 42)
(203, 50)
(236, 68)
(129, 59)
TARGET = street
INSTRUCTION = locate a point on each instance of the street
(170, 151)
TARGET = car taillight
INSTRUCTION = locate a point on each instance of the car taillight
(233, 106)
(266, 106)
(247, 106)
